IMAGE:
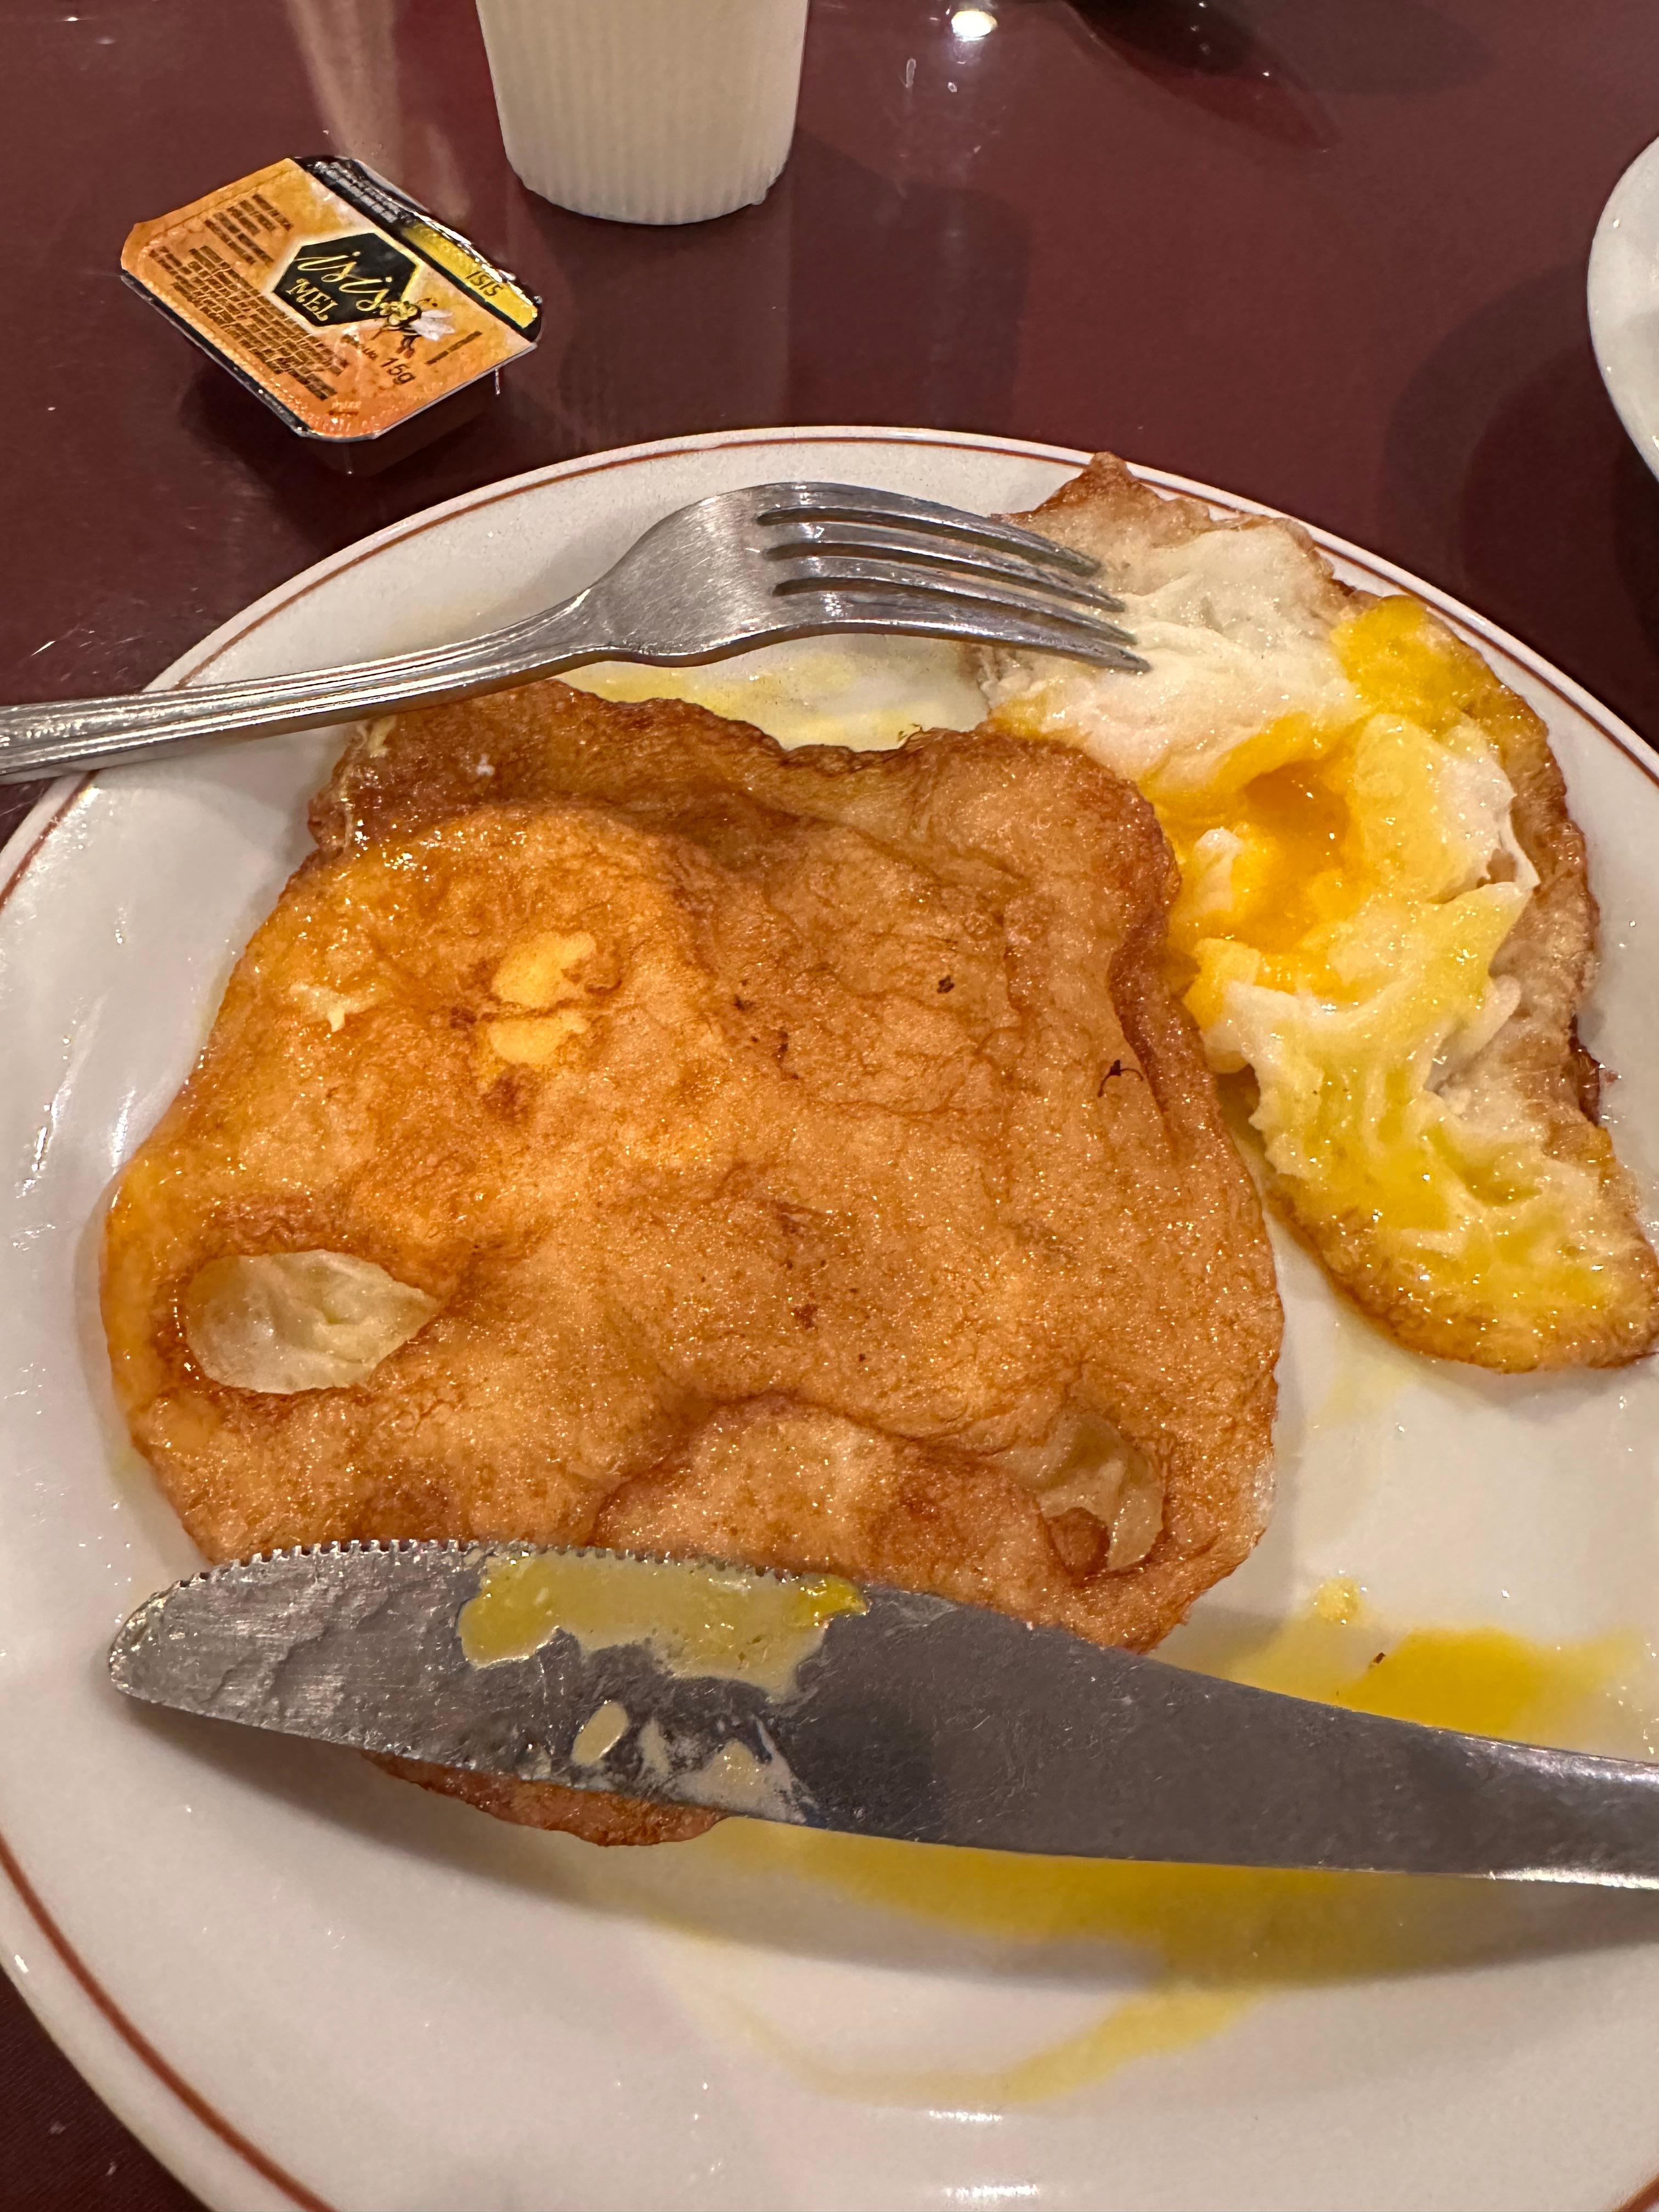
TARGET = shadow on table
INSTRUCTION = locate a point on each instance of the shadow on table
(752, 319)
(1506, 421)
(1217, 55)
(327, 509)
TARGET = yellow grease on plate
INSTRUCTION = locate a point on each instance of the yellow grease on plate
(1220, 1938)
(698, 1620)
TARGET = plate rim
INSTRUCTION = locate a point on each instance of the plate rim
(102, 2056)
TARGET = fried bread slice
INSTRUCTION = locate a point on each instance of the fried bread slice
(1386, 920)
(797, 1159)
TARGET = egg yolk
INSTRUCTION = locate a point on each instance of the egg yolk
(1346, 887)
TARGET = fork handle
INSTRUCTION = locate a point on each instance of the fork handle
(88, 733)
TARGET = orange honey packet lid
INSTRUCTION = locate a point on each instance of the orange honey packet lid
(339, 301)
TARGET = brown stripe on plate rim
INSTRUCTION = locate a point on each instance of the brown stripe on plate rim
(143, 2048)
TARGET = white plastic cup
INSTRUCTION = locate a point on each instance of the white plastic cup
(646, 111)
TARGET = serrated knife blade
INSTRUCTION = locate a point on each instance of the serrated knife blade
(900, 1715)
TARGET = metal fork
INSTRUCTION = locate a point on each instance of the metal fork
(743, 569)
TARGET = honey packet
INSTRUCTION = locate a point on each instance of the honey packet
(367, 325)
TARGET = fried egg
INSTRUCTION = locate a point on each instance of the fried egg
(1383, 918)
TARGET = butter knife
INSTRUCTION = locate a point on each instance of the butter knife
(874, 1711)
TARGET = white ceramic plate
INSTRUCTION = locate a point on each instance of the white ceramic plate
(1624, 300)
(303, 1984)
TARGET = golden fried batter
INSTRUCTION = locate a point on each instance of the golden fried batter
(798, 1157)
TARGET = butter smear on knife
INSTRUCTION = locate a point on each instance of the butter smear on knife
(697, 1620)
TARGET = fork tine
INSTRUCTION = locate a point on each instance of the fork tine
(937, 614)
(859, 578)
(953, 556)
(830, 502)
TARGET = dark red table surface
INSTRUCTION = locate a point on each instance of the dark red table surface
(1327, 253)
